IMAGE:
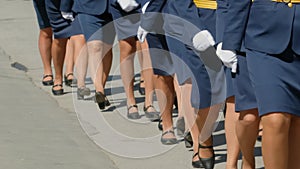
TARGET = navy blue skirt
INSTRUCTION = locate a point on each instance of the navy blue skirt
(126, 23)
(98, 27)
(160, 57)
(41, 13)
(61, 27)
(276, 81)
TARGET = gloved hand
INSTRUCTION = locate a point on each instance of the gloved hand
(67, 15)
(228, 57)
(141, 34)
(145, 7)
(128, 5)
(203, 40)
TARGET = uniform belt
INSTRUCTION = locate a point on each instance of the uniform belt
(208, 4)
(288, 2)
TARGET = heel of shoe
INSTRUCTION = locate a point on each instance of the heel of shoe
(101, 100)
(208, 163)
(83, 91)
(188, 141)
(57, 92)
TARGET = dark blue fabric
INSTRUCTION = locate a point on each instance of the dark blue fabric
(66, 5)
(245, 97)
(41, 13)
(61, 27)
(126, 23)
(276, 81)
(92, 7)
(159, 53)
(97, 27)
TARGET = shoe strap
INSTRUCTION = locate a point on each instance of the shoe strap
(45, 76)
(57, 85)
(69, 74)
(132, 106)
(169, 131)
(204, 147)
(195, 154)
(146, 108)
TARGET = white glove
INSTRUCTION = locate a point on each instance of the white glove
(141, 34)
(145, 7)
(67, 15)
(128, 5)
(203, 40)
(228, 57)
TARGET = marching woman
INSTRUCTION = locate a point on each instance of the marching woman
(202, 82)
(45, 40)
(231, 116)
(126, 15)
(162, 64)
(99, 34)
(270, 30)
(61, 21)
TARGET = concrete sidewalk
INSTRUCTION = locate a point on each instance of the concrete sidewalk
(39, 130)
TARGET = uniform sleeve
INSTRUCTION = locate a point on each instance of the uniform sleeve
(235, 24)
(66, 5)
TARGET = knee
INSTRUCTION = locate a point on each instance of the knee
(249, 118)
(276, 121)
(46, 33)
(94, 47)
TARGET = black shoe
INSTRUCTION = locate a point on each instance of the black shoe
(208, 163)
(142, 89)
(180, 126)
(101, 100)
(57, 92)
(159, 126)
(83, 91)
(134, 115)
(153, 116)
(69, 82)
(168, 141)
(197, 164)
(48, 82)
(188, 140)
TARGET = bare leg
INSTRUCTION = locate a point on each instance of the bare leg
(247, 130)
(45, 42)
(141, 56)
(69, 58)
(275, 144)
(233, 148)
(98, 65)
(294, 140)
(58, 54)
(127, 49)
(205, 120)
(81, 59)
(165, 96)
(190, 115)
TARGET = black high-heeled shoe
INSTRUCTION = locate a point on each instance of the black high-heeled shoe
(159, 126)
(133, 115)
(83, 91)
(47, 82)
(208, 163)
(188, 141)
(101, 100)
(59, 91)
(198, 163)
(69, 82)
(152, 115)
